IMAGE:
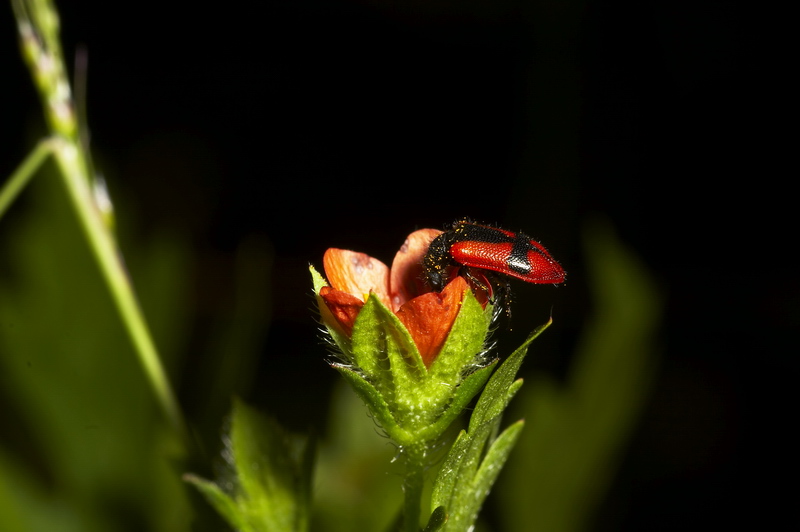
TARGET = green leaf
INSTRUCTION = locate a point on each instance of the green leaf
(467, 480)
(492, 465)
(437, 520)
(273, 476)
(496, 396)
(467, 474)
(444, 486)
(270, 470)
(454, 487)
(222, 503)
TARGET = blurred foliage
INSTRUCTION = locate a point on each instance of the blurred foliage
(578, 430)
(82, 434)
(357, 484)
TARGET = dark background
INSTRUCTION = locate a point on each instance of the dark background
(306, 125)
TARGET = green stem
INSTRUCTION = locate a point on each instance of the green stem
(107, 256)
(412, 486)
(23, 174)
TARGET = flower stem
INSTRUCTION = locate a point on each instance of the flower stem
(412, 485)
(106, 254)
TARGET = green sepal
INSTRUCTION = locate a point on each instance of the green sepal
(383, 348)
(317, 279)
(326, 318)
(445, 392)
(376, 404)
(464, 343)
(465, 392)
(468, 389)
(273, 470)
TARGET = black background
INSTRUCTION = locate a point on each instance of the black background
(347, 124)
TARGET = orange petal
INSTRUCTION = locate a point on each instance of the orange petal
(430, 317)
(407, 278)
(343, 307)
(357, 274)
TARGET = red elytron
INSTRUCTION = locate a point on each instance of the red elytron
(468, 245)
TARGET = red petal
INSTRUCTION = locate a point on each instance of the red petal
(407, 279)
(343, 307)
(357, 274)
(430, 317)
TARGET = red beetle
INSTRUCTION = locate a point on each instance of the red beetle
(469, 245)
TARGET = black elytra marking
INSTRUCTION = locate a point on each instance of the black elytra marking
(463, 231)
(518, 260)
